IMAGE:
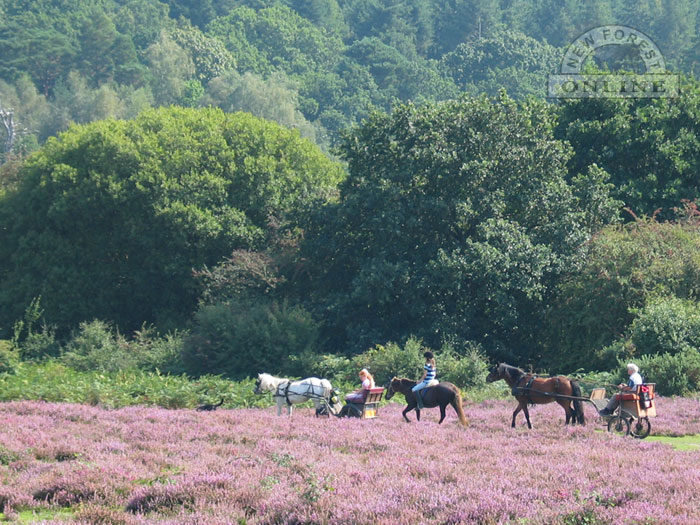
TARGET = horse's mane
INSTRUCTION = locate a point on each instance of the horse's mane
(404, 382)
(513, 371)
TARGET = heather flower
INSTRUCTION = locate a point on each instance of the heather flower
(144, 465)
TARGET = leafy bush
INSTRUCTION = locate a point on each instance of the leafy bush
(97, 346)
(465, 368)
(9, 357)
(108, 220)
(239, 339)
(154, 352)
(387, 361)
(666, 325)
(625, 269)
(39, 345)
(674, 374)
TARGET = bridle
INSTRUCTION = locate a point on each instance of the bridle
(389, 390)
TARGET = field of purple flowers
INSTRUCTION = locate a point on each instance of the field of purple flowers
(149, 465)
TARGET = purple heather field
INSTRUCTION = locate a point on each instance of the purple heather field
(150, 465)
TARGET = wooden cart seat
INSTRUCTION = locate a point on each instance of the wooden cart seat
(632, 401)
(370, 406)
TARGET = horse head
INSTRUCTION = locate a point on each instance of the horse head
(258, 383)
(496, 373)
(392, 387)
(265, 383)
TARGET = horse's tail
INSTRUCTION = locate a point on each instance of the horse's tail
(578, 406)
(457, 405)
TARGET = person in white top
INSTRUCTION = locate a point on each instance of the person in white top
(358, 396)
(634, 381)
(367, 383)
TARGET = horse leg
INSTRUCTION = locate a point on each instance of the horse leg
(527, 417)
(407, 410)
(442, 413)
(569, 413)
(279, 407)
(417, 414)
(515, 413)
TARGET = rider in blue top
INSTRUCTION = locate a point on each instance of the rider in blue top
(429, 374)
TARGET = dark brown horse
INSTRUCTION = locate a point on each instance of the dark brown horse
(441, 395)
(528, 388)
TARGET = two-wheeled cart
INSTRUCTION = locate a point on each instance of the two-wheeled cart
(631, 417)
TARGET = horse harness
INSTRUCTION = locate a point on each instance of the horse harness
(518, 391)
(283, 391)
(527, 389)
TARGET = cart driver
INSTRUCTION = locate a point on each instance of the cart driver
(634, 381)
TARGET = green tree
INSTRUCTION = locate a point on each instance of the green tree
(272, 98)
(109, 220)
(31, 44)
(106, 55)
(211, 59)
(625, 268)
(276, 39)
(170, 67)
(650, 147)
(507, 60)
(441, 231)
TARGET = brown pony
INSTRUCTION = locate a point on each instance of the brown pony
(441, 395)
(525, 387)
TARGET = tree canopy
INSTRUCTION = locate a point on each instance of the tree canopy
(441, 232)
(110, 219)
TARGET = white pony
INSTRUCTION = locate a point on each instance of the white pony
(287, 392)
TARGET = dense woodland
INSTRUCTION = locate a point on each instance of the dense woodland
(315, 185)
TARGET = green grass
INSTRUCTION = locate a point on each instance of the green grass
(691, 442)
(54, 382)
(39, 515)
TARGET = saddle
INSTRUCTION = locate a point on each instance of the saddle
(431, 384)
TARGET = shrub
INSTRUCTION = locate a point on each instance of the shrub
(97, 346)
(9, 357)
(387, 361)
(625, 269)
(666, 325)
(674, 374)
(239, 339)
(337, 368)
(154, 352)
(466, 369)
(40, 345)
(52, 381)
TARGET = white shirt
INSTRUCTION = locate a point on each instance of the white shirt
(635, 380)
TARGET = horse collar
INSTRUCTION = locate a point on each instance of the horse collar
(284, 393)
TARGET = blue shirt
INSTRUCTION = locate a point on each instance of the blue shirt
(430, 372)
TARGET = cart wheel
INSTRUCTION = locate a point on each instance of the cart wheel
(640, 428)
(619, 425)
